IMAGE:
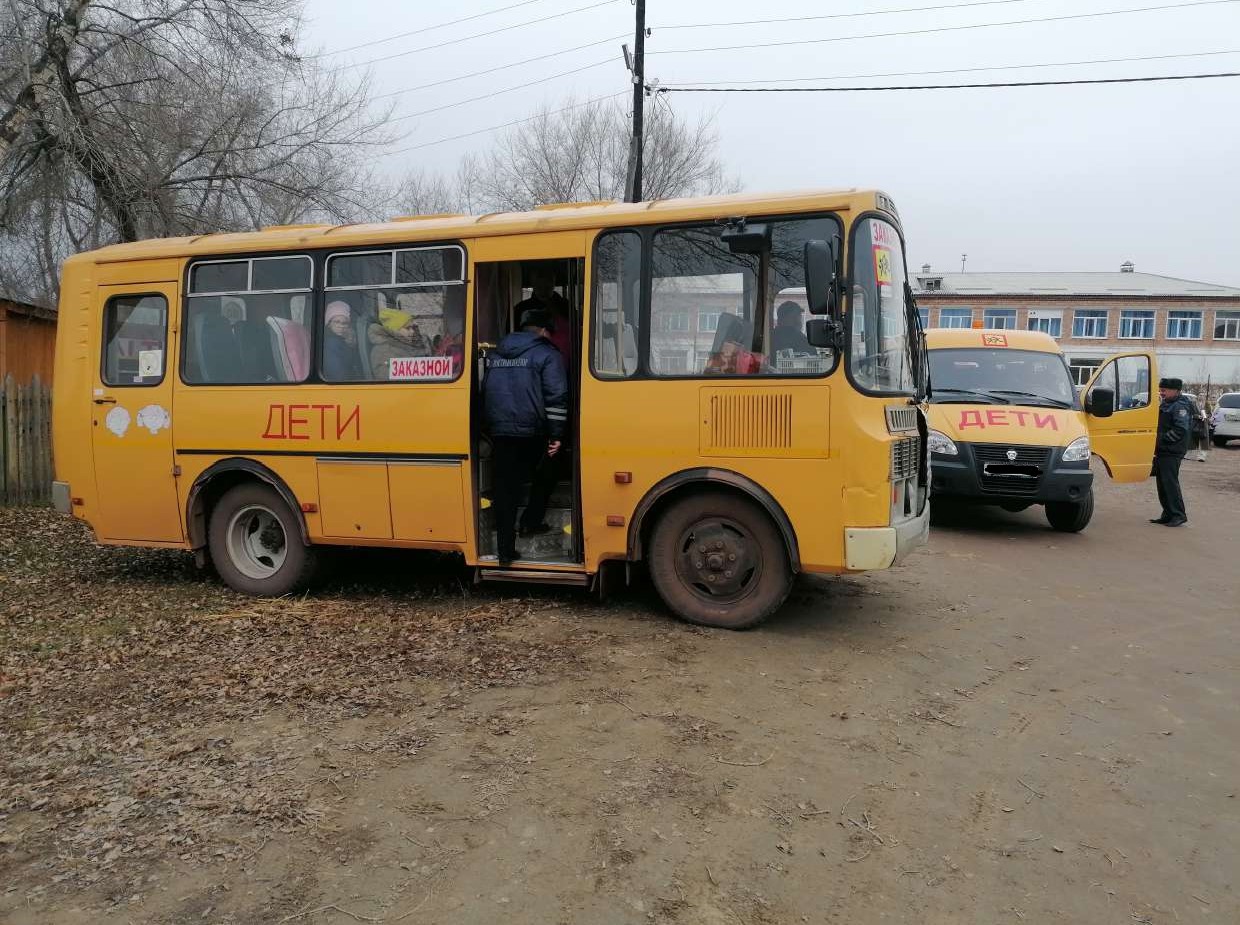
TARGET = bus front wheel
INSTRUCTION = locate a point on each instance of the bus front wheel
(718, 560)
(256, 544)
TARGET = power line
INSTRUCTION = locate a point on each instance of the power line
(908, 9)
(953, 70)
(494, 93)
(496, 128)
(986, 86)
(986, 25)
(442, 25)
(501, 67)
(477, 35)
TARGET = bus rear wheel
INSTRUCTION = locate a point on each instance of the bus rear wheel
(718, 560)
(256, 543)
(1070, 516)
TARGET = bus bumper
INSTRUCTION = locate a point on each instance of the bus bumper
(62, 499)
(870, 548)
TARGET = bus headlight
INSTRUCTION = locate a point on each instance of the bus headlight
(940, 443)
(1077, 450)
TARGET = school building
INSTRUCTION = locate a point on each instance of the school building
(1193, 327)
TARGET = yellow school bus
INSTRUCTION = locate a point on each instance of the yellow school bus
(1008, 428)
(745, 377)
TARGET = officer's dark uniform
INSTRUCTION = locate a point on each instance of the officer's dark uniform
(1175, 433)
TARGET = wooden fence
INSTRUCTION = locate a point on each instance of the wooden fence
(25, 442)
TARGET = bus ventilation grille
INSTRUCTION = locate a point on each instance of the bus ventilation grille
(741, 421)
(901, 418)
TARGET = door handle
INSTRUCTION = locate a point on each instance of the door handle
(105, 401)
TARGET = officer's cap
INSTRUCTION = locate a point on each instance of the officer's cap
(1176, 384)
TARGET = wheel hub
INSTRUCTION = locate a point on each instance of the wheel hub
(719, 560)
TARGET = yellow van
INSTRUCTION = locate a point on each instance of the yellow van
(1008, 427)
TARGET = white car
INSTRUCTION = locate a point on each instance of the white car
(1225, 421)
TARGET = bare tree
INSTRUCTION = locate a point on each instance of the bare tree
(573, 154)
(145, 118)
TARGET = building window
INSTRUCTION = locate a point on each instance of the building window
(1184, 325)
(1227, 326)
(1002, 318)
(925, 317)
(676, 321)
(1083, 368)
(708, 322)
(955, 317)
(1138, 325)
(1048, 322)
(1089, 322)
(672, 362)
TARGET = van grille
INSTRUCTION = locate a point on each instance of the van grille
(749, 421)
(998, 474)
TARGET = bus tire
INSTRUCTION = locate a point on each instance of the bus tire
(256, 543)
(1070, 516)
(718, 560)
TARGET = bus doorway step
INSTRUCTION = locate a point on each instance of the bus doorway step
(535, 575)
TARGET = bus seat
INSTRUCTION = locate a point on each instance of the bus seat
(215, 348)
(290, 344)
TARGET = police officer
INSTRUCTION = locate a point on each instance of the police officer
(1175, 432)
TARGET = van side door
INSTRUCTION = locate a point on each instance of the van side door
(1125, 438)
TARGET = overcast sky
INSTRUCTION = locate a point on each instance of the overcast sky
(1049, 178)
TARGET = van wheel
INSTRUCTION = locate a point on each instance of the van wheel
(718, 560)
(256, 544)
(1070, 516)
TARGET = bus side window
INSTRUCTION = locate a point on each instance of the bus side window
(135, 331)
(617, 296)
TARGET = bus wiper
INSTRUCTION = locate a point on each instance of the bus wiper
(1057, 402)
(989, 397)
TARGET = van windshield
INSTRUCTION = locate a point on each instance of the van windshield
(1000, 376)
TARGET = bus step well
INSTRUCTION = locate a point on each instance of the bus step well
(536, 575)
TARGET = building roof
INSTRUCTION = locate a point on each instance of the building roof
(1118, 284)
(20, 307)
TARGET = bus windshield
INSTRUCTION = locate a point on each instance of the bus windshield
(883, 336)
(1000, 376)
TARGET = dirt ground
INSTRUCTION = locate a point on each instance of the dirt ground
(1018, 725)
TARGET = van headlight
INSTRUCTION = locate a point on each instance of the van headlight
(940, 443)
(1077, 450)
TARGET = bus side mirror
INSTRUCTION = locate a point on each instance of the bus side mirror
(824, 332)
(821, 278)
(1100, 402)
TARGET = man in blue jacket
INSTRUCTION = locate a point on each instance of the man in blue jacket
(525, 396)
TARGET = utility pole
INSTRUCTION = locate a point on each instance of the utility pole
(633, 184)
(963, 258)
